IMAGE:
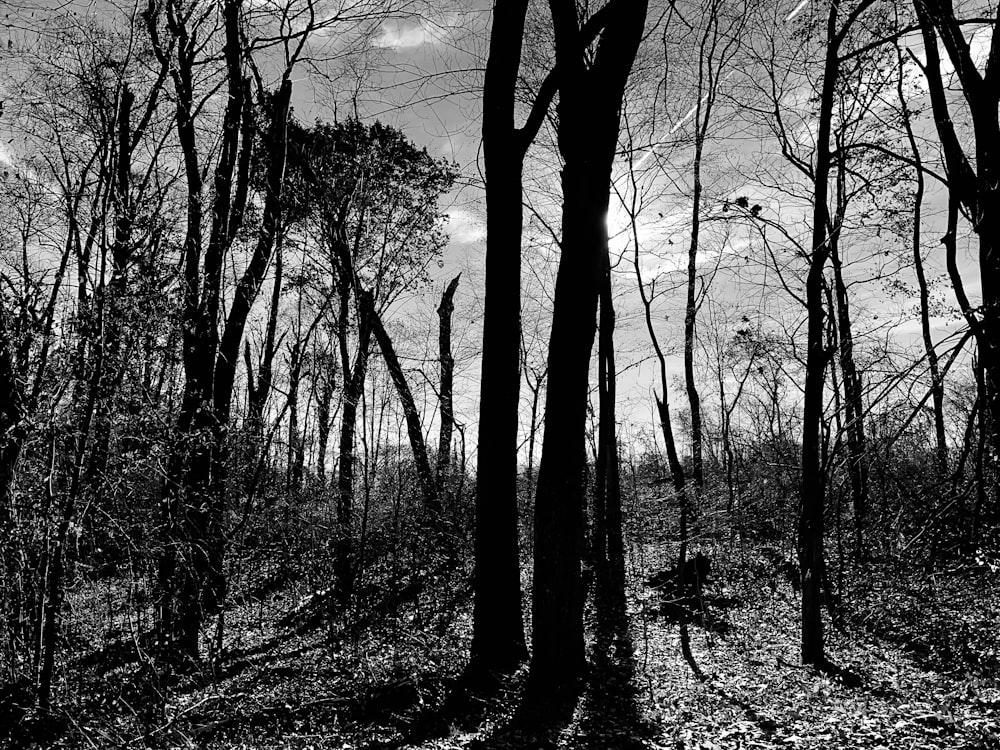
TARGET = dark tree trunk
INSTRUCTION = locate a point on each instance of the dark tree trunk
(259, 392)
(933, 366)
(447, 362)
(498, 629)
(354, 384)
(691, 304)
(324, 406)
(428, 485)
(813, 490)
(983, 417)
(973, 178)
(536, 396)
(662, 398)
(857, 467)
(296, 443)
(590, 98)
(557, 611)
(608, 546)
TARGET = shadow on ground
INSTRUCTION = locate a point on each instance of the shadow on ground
(609, 709)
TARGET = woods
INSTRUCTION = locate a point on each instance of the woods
(512, 374)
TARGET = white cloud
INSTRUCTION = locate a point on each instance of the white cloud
(465, 227)
(409, 34)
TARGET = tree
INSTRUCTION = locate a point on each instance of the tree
(813, 491)
(937, 380)
(591, 88)
(716, 50)
(190, 576)
(371, 198)
(447, 385)
(498, 630)
(973, 173)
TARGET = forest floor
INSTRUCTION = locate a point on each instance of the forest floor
(924, 655)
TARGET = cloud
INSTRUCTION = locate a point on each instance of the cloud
(409, 34)
(465, 227)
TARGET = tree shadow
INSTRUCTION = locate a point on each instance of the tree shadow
(609, 709)
(544, 711)
(470, 700)
(531, 727)
(609, 715)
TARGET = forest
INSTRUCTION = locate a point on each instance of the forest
(500, 374)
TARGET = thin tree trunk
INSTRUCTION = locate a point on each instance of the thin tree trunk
(428, 486)
(609, 550)
(324, 404)
(447, 362)
(937, 381)
(813, 491)
(536, 395)
(295, 439)
(853, 403)
(354, 385)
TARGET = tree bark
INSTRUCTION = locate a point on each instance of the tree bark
(591, 90)
(933, 366)
(609, 547)
(428, 485)
(973, 179)
(498, 629)
(190, 577)
(447, 362)
(813, 490)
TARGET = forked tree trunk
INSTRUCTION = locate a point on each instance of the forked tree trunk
(973, 176)
(590, 98)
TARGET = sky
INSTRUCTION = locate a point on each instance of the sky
(422, 74)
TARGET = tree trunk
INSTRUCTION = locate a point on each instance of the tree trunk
(447, 362)
(933, 366)
(690, 307)
(324, 404)
(259, 392)
(591, 90)
(557, 605)
(497, 624)
(813, 490)
(973, 179)
(354, 384)
(428, 486)
(296, 443)
(609, 548)
(857, 468)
